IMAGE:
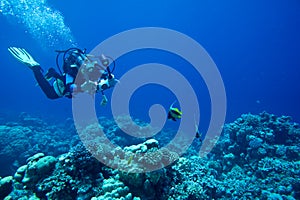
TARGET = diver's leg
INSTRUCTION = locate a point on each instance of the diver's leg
(43, 83)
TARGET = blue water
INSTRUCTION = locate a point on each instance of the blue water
(255, 45)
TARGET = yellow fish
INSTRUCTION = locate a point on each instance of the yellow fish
(174, 113)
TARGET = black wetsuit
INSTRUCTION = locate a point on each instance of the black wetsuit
(44, 84)
(48, 88)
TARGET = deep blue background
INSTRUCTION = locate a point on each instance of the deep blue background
(255, 45)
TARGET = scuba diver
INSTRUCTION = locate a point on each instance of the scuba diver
(90, 76)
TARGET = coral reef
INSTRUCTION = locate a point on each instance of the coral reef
(28, 136)
(192, 178)
(38, 166)
(6, 186)
(114, 189)
(259, 153)
(256, 157)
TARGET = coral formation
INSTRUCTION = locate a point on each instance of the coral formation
(265, 156)
(38, 166)
(256, 157)
(28, 136)
(6, 186)
(114, 189)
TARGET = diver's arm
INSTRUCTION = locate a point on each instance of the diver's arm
(46, 87)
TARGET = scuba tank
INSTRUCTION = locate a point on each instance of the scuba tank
(74, 58)
(92, 68)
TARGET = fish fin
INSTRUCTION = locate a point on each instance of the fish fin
(171, 107)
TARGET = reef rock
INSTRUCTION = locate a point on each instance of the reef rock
(38, 167)
(6, 186)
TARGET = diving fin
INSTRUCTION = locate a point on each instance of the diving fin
(23, 56)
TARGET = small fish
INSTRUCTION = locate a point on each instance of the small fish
(174, 113)
(198, 134)
(130, 160)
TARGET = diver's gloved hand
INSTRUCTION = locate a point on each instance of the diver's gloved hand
(23, 56)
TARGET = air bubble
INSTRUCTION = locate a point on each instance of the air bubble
(40, 20)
